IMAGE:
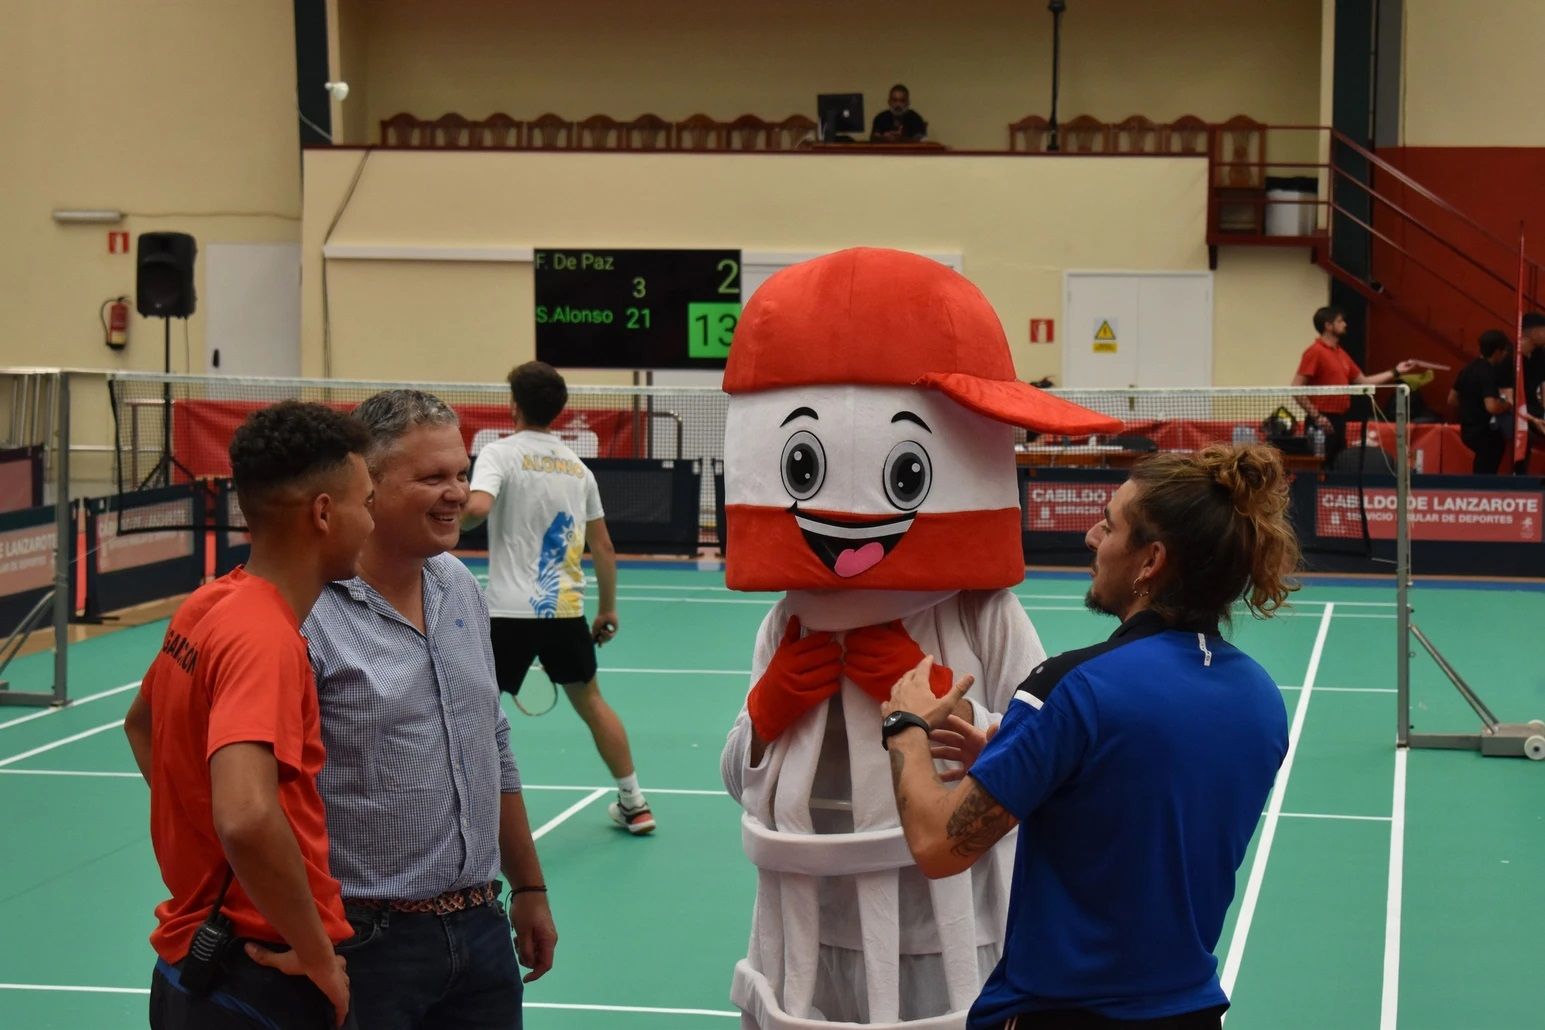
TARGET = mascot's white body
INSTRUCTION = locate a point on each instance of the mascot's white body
(870, 475)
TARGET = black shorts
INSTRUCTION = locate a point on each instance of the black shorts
(565, 647)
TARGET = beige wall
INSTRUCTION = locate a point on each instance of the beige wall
(973, 65)
(350, 36)
(1472, 73)
(181, 112)
(1263, 303)
(1019, 224)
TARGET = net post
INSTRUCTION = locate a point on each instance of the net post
(64, 531)
(1402, 566)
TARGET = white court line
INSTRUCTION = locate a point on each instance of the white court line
(74, 989)
(680, 672)
(1344, 615)
(73, 704)
(578, 788)
(1252, 896)
(573, 788)
(764, 603)
(1390, 998)
(1347, 690)
(60, 743)
(642, 1009)
(72, 772)
(662, 586)
(629, 1008)
(556, 820)
(644, 787)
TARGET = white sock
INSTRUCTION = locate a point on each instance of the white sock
(627, 786)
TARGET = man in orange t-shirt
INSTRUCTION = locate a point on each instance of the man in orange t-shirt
(225, 729)
(1326, 363)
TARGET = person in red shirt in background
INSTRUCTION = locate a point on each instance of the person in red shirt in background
(225, 729)
(1325, 363)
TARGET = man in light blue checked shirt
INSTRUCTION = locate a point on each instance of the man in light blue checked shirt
(423, 799)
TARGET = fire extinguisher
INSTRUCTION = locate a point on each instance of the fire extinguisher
(115, 322)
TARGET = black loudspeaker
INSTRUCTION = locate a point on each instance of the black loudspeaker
(164, 279)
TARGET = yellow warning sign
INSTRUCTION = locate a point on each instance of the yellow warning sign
(1105, 337)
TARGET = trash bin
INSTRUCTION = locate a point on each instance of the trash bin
(1286, 214)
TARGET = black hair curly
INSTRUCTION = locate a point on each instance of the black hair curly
(287, 444)
(539, 391)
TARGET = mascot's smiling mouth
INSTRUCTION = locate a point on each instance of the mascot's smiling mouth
(851, 546)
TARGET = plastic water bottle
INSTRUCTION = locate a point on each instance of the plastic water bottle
(1317, 441)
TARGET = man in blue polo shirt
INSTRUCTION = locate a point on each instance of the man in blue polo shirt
(1139, 767)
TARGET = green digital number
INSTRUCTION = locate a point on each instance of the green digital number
(638, 287)
(731, 272)
(638, 318)
(710, 328)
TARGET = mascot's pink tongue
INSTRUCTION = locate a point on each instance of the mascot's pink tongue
(851, 562)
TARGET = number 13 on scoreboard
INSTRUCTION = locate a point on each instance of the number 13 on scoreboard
(710, 327)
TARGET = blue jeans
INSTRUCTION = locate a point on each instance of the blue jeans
(420, 971)
(246, 996)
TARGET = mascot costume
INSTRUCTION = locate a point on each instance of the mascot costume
(870, 476)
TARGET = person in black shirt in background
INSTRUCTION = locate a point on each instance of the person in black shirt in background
(1533, 347)
(898, 123)
(1478, 397)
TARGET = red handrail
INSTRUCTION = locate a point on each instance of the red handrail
(1433, 234)
(1420, 190)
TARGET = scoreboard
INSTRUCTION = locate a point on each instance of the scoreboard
(636, 309)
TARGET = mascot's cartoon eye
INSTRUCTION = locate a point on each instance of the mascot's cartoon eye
(908, 474)
(804, 465)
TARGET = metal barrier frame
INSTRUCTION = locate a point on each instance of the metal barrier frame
(58, 599)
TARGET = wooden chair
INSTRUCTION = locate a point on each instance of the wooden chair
(699, 132)
(1185, 135)
(646, 132)
(403, 130)
(1085, 134)
(1241, 152)
(1240, 186)
(792, 133)
(496, 132)
(1136, 135)
(598, 132)
(450, 132)
(1029, 131)
(748, 132)
(549, 132)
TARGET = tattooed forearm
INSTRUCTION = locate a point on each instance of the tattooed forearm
(977, 823)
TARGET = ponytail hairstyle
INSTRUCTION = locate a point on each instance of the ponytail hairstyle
(1221, 514)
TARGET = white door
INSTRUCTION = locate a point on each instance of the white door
(1137, 329)
(252, 297)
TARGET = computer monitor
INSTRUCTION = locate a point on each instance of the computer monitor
(839, 113)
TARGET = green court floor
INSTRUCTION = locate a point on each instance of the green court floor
(1382, 889)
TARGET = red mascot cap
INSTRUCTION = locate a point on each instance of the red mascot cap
(874, 317)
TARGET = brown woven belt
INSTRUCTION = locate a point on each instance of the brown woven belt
(444, 904)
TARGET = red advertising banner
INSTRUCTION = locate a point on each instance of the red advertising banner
(26, 559)
(1455, 516)
(202, 430)
(16, 490)
(133, 549)
(1066, 507)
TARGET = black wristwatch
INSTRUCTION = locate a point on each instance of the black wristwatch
(896, 722)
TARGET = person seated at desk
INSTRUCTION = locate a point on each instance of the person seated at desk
(898, 123)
